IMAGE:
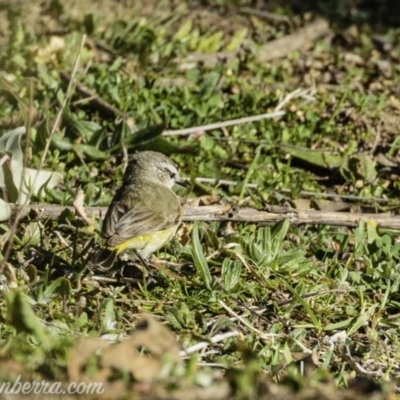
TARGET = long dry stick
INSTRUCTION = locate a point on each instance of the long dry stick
(67, 96)
(228, 212)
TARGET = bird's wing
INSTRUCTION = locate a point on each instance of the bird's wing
(122, 224)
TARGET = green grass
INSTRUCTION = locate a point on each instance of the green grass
(287, 291)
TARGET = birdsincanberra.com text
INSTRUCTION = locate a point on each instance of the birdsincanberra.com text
(44, 387)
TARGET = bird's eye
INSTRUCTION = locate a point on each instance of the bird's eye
(171, 173)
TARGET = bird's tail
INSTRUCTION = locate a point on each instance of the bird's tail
(103, 259)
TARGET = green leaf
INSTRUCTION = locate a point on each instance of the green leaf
(109, 316)
(81, 321)
(61, 286)
(21, 316)
(360, 239)
(7, 179)
(116, 64)
(63, 144)
(211, 43)
(42, 134)
(200, 261)
(279, 231)
(174, 318)
(65, 288)
(372, 232)
(361, 320)
(131, 140)
(237, 40)
(319, 158)
(287, 354)
(338, 325)
(209, 83)
(250, 172)
(363, 166)
(145, 135)
(40, 180)
(306, 306)
(77, 129)
(10, 142)
(92, 152)
(230, 274)
(5, 210)
(184, 30)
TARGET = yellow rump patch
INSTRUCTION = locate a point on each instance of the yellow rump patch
(147, 244)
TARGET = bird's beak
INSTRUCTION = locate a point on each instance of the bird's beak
(182, 182)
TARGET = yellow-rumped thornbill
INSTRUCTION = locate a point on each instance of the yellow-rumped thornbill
(144, 213)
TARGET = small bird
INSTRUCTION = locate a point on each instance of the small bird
(144, 213)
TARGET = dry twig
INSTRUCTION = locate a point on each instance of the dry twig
(223, 124)
(80, 208)
(94, 99)
(227, 212)
(202, 345)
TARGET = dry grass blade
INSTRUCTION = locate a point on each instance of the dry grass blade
(68, 94)
(223, 124)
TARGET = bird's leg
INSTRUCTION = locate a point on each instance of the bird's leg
(150, 271)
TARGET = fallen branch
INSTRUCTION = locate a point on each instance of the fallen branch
(228, 212)
(296, 41)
